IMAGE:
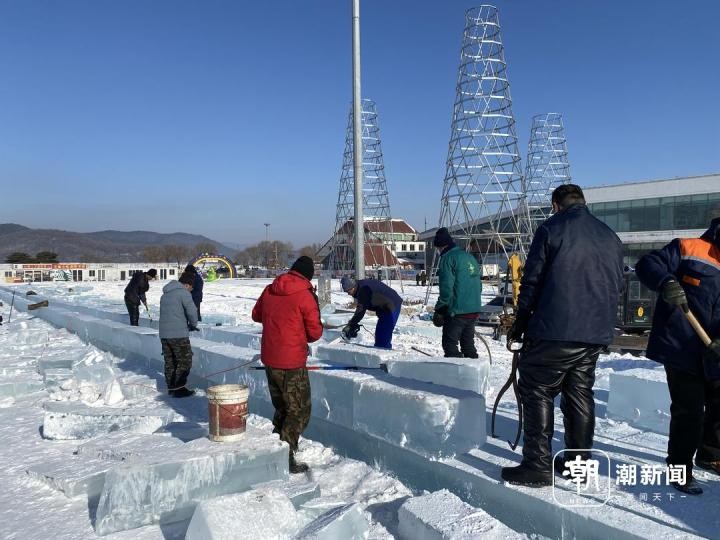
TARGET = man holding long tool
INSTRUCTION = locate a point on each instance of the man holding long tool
(568, 300)
(288, 310)
(686, 272)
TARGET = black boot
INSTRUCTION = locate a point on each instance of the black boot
(183, 392)
(523, 475)
(297, 467)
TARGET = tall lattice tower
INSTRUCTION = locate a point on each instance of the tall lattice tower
(376, 203)
(482, 193)
(547, 166)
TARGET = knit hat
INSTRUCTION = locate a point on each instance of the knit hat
(442, 238)
(190, 268)
(348, 283)
(152, 273)
(304, 266)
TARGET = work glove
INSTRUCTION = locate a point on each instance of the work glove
(439, 316)
(193, 328)
(350, 331)
(711, 355)
(519, 326)
(673, 293)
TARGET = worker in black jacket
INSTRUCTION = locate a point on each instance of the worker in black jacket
(135, 293)
(197, 287)
(568, 300)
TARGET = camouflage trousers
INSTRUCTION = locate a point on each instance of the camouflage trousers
(178, 361)
(290, 395)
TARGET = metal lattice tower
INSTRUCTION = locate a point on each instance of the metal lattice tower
(376, 203)
(547, 166)
(483, 192)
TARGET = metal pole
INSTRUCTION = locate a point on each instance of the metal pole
(267, 246)
(358, 146)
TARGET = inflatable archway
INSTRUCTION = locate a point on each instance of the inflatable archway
(220, 265)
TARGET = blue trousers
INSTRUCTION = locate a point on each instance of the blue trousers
(385, 326)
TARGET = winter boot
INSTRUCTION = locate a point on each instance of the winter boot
(523, 475)
(712, 466)
(691, 487)
(297, 467)
(183, 392)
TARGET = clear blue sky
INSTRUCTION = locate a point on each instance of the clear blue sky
(216, 116)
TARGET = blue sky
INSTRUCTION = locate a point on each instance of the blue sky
(216, 116)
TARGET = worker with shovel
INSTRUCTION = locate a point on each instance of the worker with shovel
(686, 272)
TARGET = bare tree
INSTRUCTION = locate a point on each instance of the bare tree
(153, 254)
(310, 251)
(205, 247)
(175, 254)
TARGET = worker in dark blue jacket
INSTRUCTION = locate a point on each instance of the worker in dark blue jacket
(135, 293)
(197, 288)
(686, 272)
(571, 284)
(376, 296)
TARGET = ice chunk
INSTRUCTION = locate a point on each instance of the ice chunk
(138, 387)
(241, 336)
(122, 446)
(184, 431)
(640, 402)
(346, 521)
(298, 489)
(430, 420)
(355, 355)
(167, 489)
(56, 376)
(72, 475)
(19, 386)
(74, 420)
(442, 515)
(463, 373)
(44, 364)
(260, 513)
(332, 396)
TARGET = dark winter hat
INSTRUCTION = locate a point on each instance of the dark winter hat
(348, 283)
(442, 238)
(152, 273)
(190, 268)
(187, 278)
(305, 266)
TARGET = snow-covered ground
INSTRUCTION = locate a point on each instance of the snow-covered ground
(31, 509)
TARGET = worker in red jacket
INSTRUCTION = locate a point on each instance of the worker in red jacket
(288, 310)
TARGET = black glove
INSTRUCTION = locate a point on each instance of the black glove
(350, 331)
(519, 327)
(711, 355)
(439, 316)
(673, 293)
(193, 328)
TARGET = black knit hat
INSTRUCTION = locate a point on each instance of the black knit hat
(305, 266)
(442, 238)
(152, 273)
(190, 268)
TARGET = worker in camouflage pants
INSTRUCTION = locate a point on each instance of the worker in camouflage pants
(290, 395)
(178, 316)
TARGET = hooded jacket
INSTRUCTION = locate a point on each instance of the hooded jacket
(695, 264)
(289, 313)
(177, 311)
(459, 276)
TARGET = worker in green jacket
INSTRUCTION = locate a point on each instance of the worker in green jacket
(458, 306)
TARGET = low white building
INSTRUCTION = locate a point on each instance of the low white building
(31, 272)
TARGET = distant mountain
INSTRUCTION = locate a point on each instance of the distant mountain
(102, 246)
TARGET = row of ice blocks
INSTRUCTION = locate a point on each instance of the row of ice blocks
(640, 400)
(271, 511)
(433, 420)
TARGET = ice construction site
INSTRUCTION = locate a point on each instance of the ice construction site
(93, 446)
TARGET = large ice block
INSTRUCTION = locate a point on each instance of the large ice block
(72, 475)
(241, 336)
(442, 515)
(122, 446)
(253, 515)
(642, 402)
(430, 420)
(355, 355)
(463, 373)
(167, 489)
(298, 489)
(72, 420)
(19, 385)
(347, 521)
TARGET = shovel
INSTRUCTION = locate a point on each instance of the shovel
(699, 330)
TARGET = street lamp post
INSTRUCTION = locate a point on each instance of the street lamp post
(267, 246)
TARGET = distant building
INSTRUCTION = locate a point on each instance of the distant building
(33, 272)
(387, 244)
(645, 215)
